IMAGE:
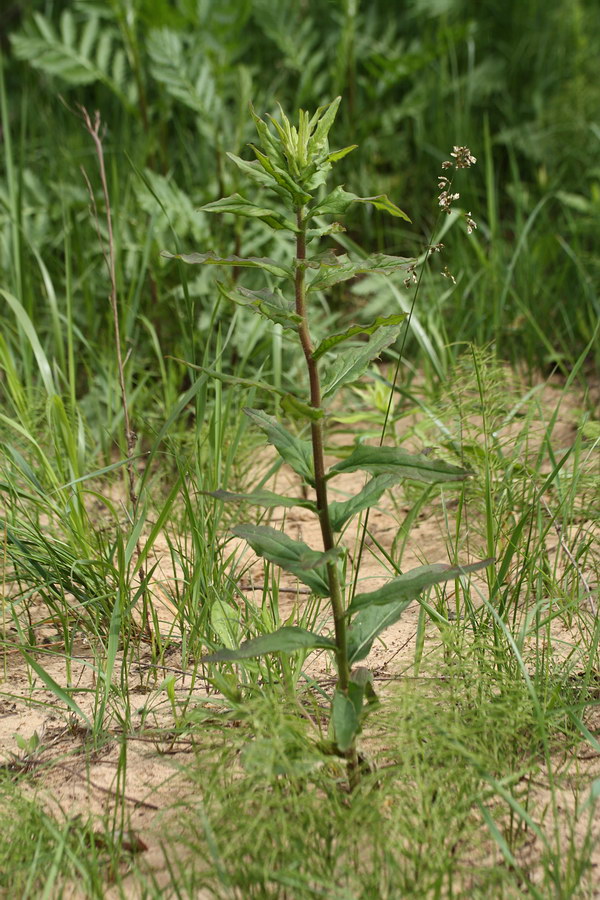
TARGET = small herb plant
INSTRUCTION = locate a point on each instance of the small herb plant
(293, 163)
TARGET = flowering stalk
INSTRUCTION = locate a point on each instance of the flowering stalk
(463, 160)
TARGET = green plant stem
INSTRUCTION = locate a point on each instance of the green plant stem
(335, 590)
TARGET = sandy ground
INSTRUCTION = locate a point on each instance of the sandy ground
(70, 775)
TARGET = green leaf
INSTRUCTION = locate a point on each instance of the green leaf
(351, 363)
(253, 262)
(262, 498)
(334, 204)
(26, 325)
(288, 639)
(356, 692)
(335, 339)
(407, 587)
(324, 119)
(333, 228)
(340, 154)
(395, 461)
(309, 566)
(341, 511)
(383, 264)
(225, 622)
(321, 260)
(345, 721)
(270, 305)
(361, 676)
(368, 624)
(297, 453)
(59, 692)
(254, 170)
(359, 688)
(239, 206)
(228, 379)
(335, 269)
(94, 54)
(281, 177)
(337, 202)
(295, 408)
(187, 76)
(269, 143)
(384, 203)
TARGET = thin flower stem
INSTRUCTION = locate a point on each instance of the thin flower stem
(388, 410)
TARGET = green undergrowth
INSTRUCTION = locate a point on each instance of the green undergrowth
(448, 806)
(45, 854)
(466, 772)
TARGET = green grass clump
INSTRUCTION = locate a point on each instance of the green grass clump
(46, 855)
(448, 805)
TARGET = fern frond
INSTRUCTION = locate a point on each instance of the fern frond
(182, 71)
(79, 54)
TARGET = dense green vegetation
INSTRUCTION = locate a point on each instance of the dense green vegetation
(123, 376)
(517, 85)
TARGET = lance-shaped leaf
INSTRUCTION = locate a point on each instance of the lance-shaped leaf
(255, 171)
(253, 262)
(340, 154)
(264, 498)
(341, 511)
(325, 259)
(333, 228)
(288, 639)
(334, 204)
(363, 678)
(333, 340)
(337, 202)
(229, 379)
(370, 623)
(60, 693)
(384, 203)
(346, 722)
(336, 269)
(395, 461)
(407, 587)
(323, 119)
(239, 206)
(290, 140)
(309, 566)
(269, 142)
(225, 622)
(296, 452)
(351, 363)
(270, 305)
(361, 688)
(281, 177)
(295, 408)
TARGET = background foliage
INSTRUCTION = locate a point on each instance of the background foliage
(173, 81)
